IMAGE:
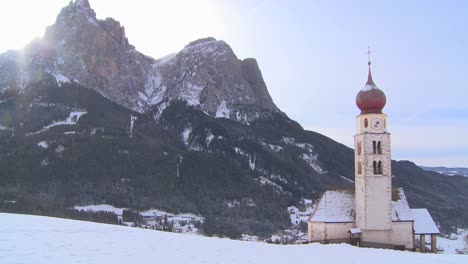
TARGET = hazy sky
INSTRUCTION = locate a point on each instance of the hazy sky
(313, 57)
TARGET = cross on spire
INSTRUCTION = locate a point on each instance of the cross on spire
(369, 77)
(368, 55)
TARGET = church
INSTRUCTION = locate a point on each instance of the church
(373, 214)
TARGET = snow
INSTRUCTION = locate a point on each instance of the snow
(101, 208)
(191, 94)
(72, 119)
(369, 87)
(60, 78)
(279, 178)
(233, 204)
(186, 135)
(246, 237)
(222, 111)
(355, 230)
(455, 244)
(43, 144)
(36, 239)
(172, 217)
(347, 179)
(400, 208)
(265, 181)
(132, 124)
(310, 157)
(312, 160)
(296, 215)
(154, 88)
(149, 213)
(95, 130)
(274, 148)
(44, 162)
(423, 223)
(252, 162)
(335, 206)
(59, 149)
(160, 109)
(3, 128)
(209, 138)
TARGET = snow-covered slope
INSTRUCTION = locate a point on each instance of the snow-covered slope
(34, 239)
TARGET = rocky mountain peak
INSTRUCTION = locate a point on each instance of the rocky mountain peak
(96, 53)
(78, 9)
(82, 3)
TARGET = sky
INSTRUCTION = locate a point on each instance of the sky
(313, 57)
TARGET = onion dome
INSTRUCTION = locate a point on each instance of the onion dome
(371, 100)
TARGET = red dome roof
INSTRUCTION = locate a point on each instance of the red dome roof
(371, 100)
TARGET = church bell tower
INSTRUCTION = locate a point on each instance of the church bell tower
(372, 154)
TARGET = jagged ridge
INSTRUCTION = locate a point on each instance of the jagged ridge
(97, 54)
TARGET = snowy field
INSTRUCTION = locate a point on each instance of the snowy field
(35, 239)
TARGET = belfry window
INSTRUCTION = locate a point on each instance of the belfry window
(359, 148)
(374, 147)
(379, 147)
(366, 123)
(379, 167)
(374, 166)
(359, 168)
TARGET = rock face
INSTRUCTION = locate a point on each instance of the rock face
(97, 54)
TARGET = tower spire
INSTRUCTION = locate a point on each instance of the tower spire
(369, 77)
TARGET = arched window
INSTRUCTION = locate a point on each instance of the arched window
(359, 148)
(379, 147)
(366, 123)
(374, 165)
(374, 147)
(359, 168)
(379, 167)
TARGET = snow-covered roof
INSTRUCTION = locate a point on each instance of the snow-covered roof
(423, 223)
(356, 230)
(339, 207)
(335, 207)
(400, 208)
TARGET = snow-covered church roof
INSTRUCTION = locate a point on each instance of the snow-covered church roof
(423, 223)
(335, 207)
(339, 207)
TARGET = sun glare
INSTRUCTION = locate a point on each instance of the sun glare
(160, 27)
(23, 20)
(155, 27)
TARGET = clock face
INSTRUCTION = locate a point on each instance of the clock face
(377, 124)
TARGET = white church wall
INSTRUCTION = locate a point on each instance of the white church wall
(329, 232)
(403, 234)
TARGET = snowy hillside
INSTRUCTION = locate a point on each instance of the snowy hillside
(34, 239)
(448, 171)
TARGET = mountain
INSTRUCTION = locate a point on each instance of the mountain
(83, 242)
(79, 125)
(97, 54)
(448, 171)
